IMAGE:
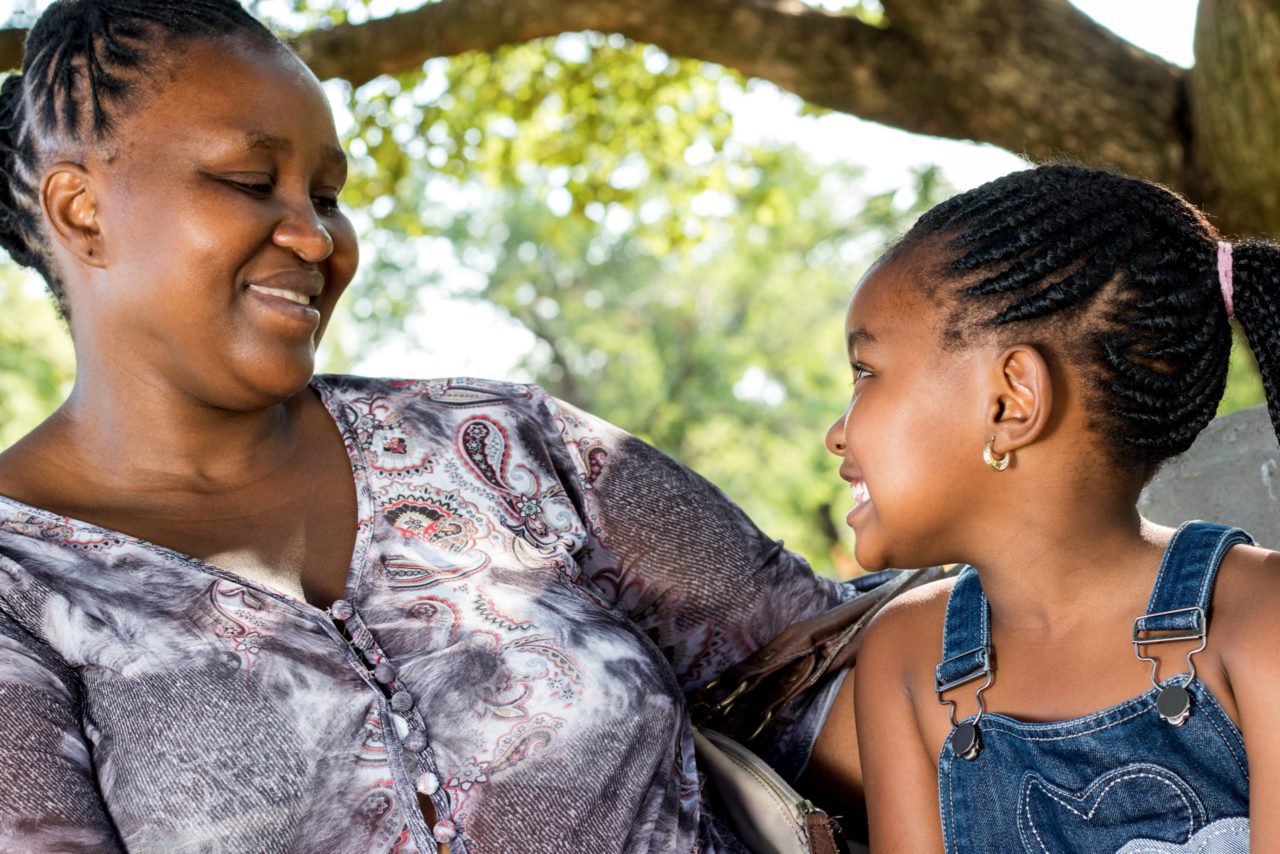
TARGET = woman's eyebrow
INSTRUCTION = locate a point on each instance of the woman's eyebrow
(258, 140)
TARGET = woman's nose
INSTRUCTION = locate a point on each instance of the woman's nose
(835, 435)
(305, 236)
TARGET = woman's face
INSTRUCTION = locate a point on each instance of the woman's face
(225, 250)
(910, 441)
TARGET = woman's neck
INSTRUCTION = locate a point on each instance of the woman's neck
(158, 437)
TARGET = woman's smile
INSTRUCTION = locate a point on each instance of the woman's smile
(290, 294)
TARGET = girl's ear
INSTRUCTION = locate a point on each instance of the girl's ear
(67, 194)
(1022, 399)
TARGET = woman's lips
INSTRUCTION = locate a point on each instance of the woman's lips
(292, 296)
(289, 307)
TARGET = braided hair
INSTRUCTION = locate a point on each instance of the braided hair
(85, 62)
(1118, 279)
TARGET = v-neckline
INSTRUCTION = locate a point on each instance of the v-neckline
(360, 548)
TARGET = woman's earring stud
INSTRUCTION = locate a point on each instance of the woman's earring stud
(993, 462)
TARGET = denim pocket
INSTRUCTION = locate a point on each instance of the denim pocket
(1138, 801)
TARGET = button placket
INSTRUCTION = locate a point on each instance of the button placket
(407, 725)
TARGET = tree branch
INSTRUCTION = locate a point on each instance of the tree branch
(1037, 77)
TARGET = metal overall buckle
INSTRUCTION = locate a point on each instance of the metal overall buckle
(1174, 701)
(964, 739)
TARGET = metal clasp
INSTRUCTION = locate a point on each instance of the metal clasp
(1173, 702)
(971, 750)
(1197, 632)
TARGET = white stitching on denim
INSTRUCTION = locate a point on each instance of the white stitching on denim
(1226, 738)
(1097, 802)
(951, 803)
(1013, 727)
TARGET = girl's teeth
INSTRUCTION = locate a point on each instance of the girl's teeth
(860, 493)
(292, 296)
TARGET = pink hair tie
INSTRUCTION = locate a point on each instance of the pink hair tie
(1226, 276)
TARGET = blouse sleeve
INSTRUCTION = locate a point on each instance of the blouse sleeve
(49, 800)
(677, 555)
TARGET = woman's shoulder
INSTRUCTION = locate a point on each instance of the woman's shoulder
(443, 389)
(430, 399)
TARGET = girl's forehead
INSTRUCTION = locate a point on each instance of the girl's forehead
(887, 305)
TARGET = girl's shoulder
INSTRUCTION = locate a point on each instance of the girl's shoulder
(908, 630)
(1246, 601)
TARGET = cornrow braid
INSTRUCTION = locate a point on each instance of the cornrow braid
(84, 62)
(1119, 278)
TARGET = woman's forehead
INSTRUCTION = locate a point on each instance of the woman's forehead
(237, 95)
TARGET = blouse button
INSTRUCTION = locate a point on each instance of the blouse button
(415, 742)
(385, 673)
(401, 701)
(428, 783)
(444, 831)
(341, 610)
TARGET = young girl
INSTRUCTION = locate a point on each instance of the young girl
(1023, 362)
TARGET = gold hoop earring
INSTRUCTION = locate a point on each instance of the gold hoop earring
(993, 462)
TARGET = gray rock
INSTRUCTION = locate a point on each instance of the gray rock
(1231, 475)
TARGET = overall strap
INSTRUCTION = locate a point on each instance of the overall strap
(1179, 602)
(1178, 609)
(966, 634)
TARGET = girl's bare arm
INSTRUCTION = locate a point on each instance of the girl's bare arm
(898, 773)
(1252, 663)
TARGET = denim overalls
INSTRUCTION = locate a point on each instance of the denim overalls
(1148, 776)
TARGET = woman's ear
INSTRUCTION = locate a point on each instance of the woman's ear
(67, 193)
(1022, 399)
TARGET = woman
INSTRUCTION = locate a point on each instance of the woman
(242, 608)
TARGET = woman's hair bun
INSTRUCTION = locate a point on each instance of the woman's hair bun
(19, 225)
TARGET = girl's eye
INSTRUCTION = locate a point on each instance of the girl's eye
(860, 372)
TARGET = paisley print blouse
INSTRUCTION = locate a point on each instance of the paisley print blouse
(532, 593)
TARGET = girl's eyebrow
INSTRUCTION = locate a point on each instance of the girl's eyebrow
(857, 335)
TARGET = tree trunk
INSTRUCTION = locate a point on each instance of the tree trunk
(1235, 112)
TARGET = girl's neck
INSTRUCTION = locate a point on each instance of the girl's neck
(1068, 560)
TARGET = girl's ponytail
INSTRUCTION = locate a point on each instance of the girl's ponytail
(1256, 296)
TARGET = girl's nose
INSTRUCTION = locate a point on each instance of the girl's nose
(305, 236)
(835, 435)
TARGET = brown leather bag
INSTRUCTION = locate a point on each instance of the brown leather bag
(751, 694)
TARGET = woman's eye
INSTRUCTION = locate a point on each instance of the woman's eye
(261, 190)
(326, 204)
(860, 372)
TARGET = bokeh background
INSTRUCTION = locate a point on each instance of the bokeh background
(667, 242)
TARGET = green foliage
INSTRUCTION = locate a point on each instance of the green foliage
(677, 282)
(1244, 383)
(36, 360)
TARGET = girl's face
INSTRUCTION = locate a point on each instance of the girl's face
(911, 438)
(225, 249)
